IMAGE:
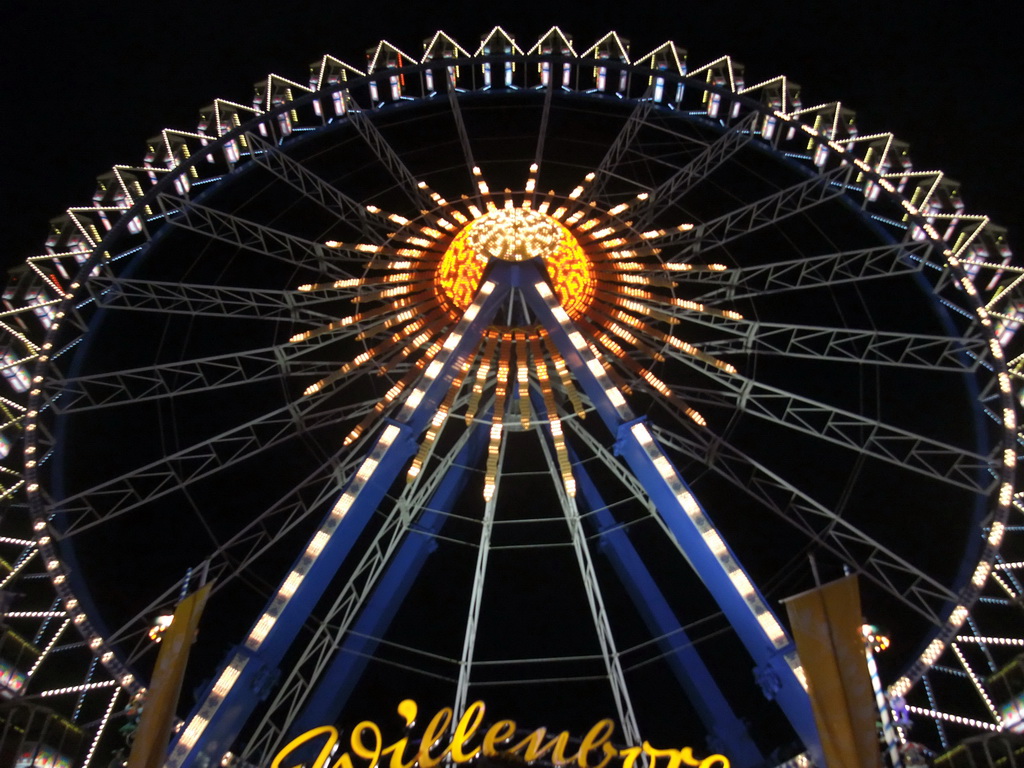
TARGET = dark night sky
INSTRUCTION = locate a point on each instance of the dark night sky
(85, 84)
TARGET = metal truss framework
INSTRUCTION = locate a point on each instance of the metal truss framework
(813, 272)
(81, 277)
(309, 185)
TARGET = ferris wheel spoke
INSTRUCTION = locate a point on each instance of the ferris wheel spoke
(893, 573)
(188, 375)
(847, 345)
(460, 130)
(767, 211)
(234, 559)
(390, 159)
(239, 553)
(321, 651)
(253, 236)
(106, 501)
(624, 142)
(270, 156)
(874, 438)
(216, 301)
(545, 119)
(894, 445)
(168, 380)
(667, 194)
(595, 599)
(789, 275)
(483, 552)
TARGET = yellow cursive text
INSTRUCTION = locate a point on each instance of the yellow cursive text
(367, 744)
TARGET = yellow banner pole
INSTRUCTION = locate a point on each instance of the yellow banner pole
(154, 733)
(826, 624)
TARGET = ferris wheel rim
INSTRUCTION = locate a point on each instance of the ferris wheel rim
(171, 177)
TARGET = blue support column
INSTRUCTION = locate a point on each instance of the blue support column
(251, 668)
(336, 684)
(726, 732)
(758, 628)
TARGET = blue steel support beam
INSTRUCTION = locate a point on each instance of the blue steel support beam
(336, 684)
(726, 732)
(251, 668)
(778, 668)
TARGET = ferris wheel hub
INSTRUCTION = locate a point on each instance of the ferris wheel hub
(516, 234)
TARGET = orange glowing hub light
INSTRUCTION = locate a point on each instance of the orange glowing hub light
(515, 234)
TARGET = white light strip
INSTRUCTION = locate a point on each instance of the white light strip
(319, 540)
(261, 630)
(47, 649)
(18, 542)
(202, 718)
(716, 545)
(25, 560)
(1011, 593)
(228, 677)
(99, 731)
(990, 640)
(981, 573)
(589, 359)
(881, 702)
(977, 683)
(194, 730)
(995, 535)
(936, 715)
(437, 364)
(76, 688)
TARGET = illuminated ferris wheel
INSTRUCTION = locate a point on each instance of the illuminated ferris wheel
(527, 375)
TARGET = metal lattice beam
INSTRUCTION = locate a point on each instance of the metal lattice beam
(956, 465)
(315, 188)
(217, 301)
(849, 345)
(253, 236)
(102, 503)
(126, 387)
(390, 160)
(624, 141)
(853, 266)
(768, 211)
(667, 194)
(893, 573)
